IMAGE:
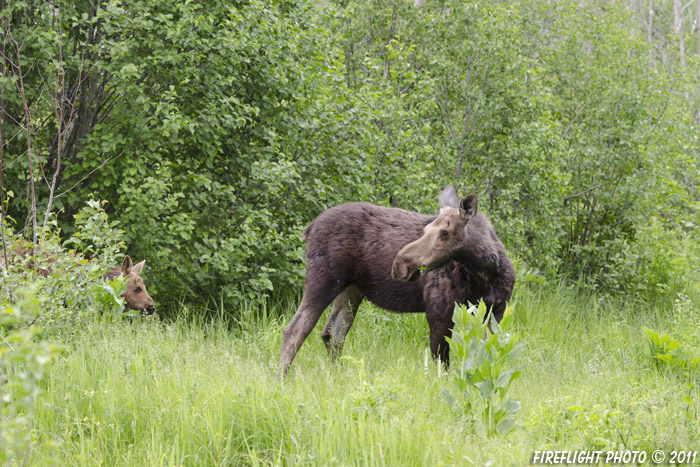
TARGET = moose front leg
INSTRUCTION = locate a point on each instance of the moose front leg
(501, 288)
(440, 328)
(442, 289)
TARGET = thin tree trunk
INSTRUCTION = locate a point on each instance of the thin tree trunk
(2, 144)
(2, 188)
(697, 21)
(59, 96)
(678, 29)
(30, 154)
(650, 36)
(392, 32)
(4, 259)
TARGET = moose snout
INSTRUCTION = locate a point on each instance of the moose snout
(148, 310)
(402, 270)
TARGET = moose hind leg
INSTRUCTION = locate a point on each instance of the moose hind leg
(342, 316)
(317, 296)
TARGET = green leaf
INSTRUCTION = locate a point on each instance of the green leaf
(449, 398)
(505, 426)
(512, 407)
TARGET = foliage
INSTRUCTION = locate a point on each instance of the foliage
(663, 347)
(70, 286)
(213, 130)
(525, 103)
(487, 361)
(94, 235)
(202, 392)
(218, 131)
(669, 352)
(596, 425)
(679, 356)
(24, 359)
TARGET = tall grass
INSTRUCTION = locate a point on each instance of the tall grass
(195, 391)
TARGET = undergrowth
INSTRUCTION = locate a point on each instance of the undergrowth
(193, 391)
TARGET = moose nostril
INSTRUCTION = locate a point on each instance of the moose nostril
(400, 272)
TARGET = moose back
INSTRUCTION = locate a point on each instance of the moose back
(359, 250)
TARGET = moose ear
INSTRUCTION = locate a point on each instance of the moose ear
(467, 207)
(127, 264)
(138, 267)
(448, 198)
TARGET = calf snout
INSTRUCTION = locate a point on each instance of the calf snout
(148, 310)
(149, 307)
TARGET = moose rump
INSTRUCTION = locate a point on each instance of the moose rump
(351, 252)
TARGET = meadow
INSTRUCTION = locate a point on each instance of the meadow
(204, 137)
(194, 390)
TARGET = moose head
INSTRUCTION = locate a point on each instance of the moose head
(443, 239)
(136, 296)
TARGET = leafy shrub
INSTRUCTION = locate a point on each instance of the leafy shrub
(24, 358)
(95, 236)
(486, 362)
(71, 287)
(665, 258)
(681, 360)
(215, 160)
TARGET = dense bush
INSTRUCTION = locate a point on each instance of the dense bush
(217, 132)
(552, 113)
(24, 357)
(69, 288)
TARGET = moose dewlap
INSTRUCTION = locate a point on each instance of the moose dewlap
(359, 250)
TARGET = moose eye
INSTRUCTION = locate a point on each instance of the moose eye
(137, 289)
(444, 234)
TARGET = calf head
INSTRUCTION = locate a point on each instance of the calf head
(136, 296)
(442, 240)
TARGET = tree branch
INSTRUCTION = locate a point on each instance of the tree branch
(90, 173)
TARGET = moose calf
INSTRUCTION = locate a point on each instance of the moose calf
(135, 295)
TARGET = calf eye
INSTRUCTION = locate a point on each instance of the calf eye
(444, 234)
(137, 289)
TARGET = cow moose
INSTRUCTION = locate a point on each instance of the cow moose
(135, 294)
(401, 261)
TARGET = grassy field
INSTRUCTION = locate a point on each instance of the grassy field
(195, 393)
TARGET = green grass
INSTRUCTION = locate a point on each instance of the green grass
(190, 392)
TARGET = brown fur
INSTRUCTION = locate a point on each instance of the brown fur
(135, 295)
(354, 249)
(22, 251)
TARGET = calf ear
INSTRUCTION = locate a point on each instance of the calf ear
(467, 207)
(127, 264)
(448, 198)
(138, 267)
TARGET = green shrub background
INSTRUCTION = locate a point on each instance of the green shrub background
(227, 126)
